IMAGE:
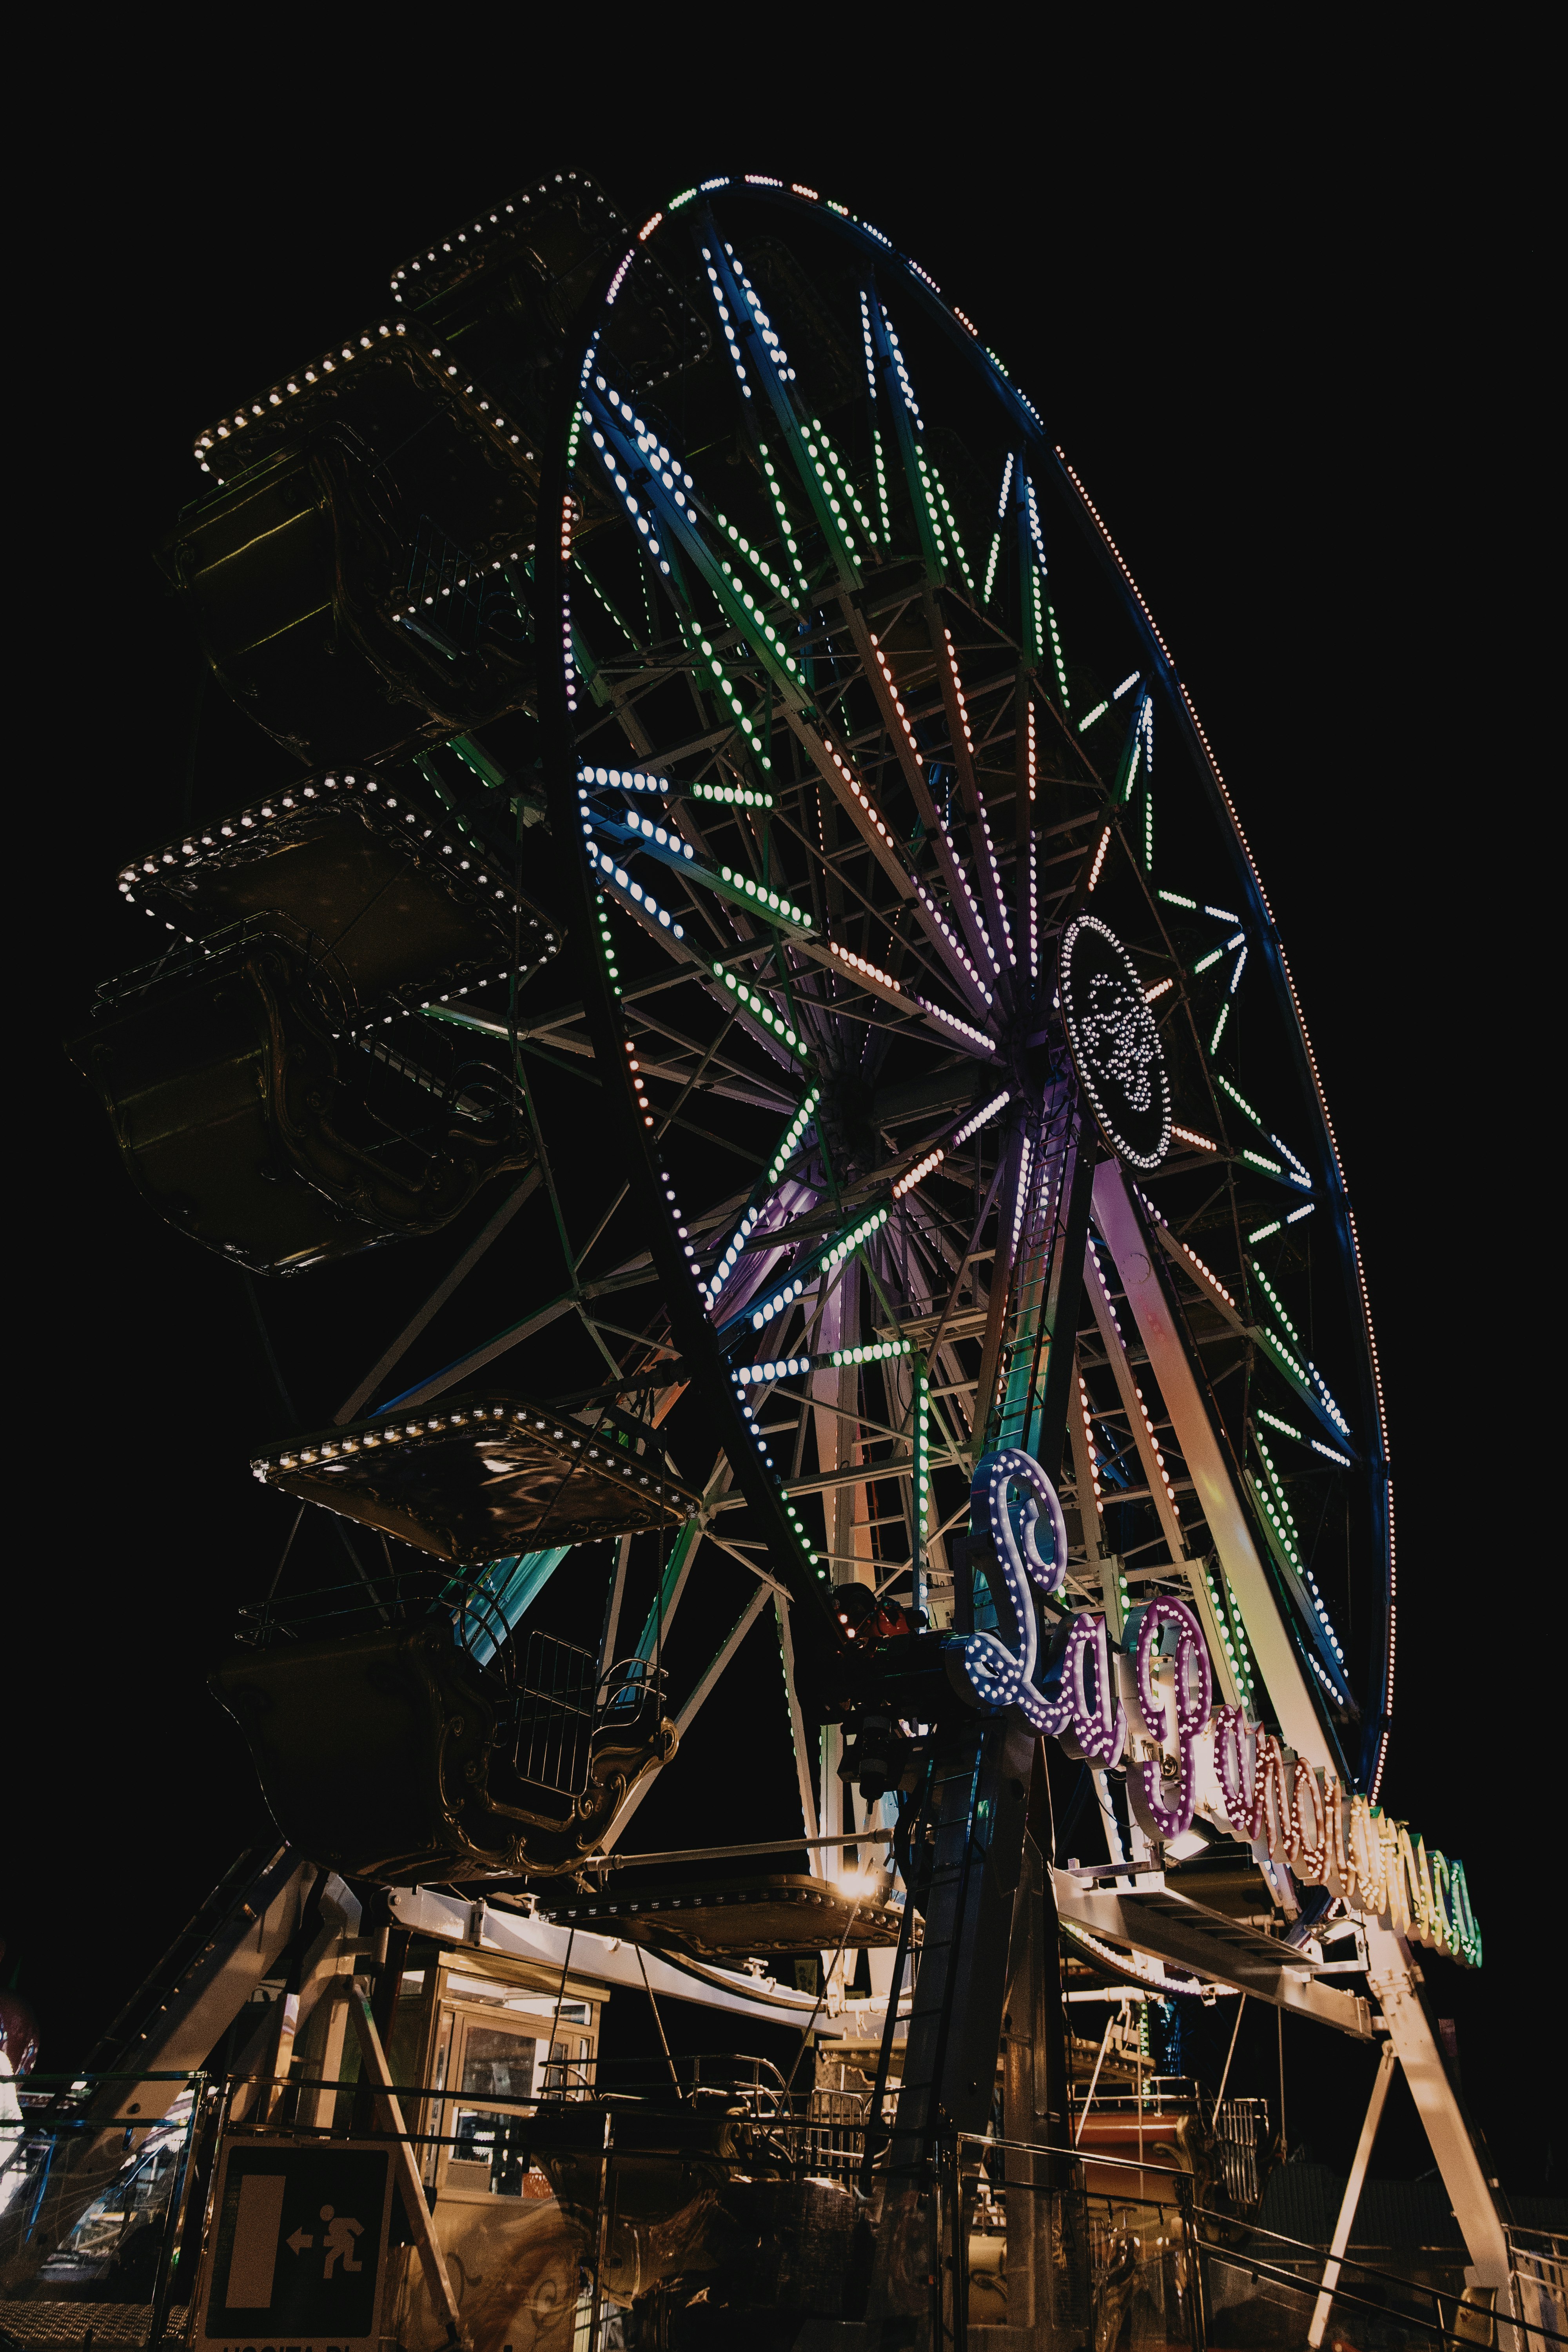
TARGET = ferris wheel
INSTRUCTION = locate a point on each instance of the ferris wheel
(954, 1238)
(893, 807)
(936, 1013)
(898, 825)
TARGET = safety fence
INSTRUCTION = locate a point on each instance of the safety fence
(106, 2221)
(1165, 2269)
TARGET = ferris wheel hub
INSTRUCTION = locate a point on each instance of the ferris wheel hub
(1035, 1048)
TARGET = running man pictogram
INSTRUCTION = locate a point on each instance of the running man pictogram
(338, 2240)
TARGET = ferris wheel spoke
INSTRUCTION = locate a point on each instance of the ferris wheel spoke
(1041, 632)
(854, 796)
(833, 1419)
(820, 1265)
(966, 906)
(876, 671)
(739, 311)
(879, 674)
(1016, 1168)
(770, 906)
(1276, 1523)
(839, 772)
(634, 898)
(1284, 1649)
(952, 965)
(965, 972)
(676, 1571)
(1011, 463)
(881, 984)
(1152, 1460)
(738, 1084)
(731, 1304)
(628, 450)
(775, 1180)
(998, 934)
(957, 967)
(738, 999)
(893, 381)
(1028, 885)
(612, 611)
(1128, 758)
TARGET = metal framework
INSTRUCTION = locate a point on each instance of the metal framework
(853, 731)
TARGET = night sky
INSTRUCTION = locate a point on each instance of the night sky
(1270, 334)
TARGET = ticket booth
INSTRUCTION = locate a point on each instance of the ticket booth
(477, 2029)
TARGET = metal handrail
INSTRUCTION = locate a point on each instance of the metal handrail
(1246, 2254)
(1257, 2267)
(1256, 2264)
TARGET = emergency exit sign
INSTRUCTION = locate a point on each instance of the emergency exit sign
(299, 2247)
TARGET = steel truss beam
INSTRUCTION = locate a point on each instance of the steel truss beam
(1201, 1449)
(1153, 1918)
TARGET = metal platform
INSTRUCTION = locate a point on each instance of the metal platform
(1149, 1917)
(486, 1476)
(782, 1912)
(392, 905)
(57, 2320)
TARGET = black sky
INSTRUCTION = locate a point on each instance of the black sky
(1265, 301)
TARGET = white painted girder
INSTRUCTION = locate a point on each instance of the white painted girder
(1207, 1467)
(1392, 1975)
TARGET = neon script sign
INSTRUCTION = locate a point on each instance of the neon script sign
(1193, 1756)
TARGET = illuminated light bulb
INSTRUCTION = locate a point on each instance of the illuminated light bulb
(939, 1012)
(923, 1169)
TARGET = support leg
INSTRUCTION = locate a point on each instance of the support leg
(1394, 1977)
(405, 2165)
(1343, 2227)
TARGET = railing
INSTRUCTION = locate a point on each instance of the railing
(182, 959)
(402, 1596)
(555, 1708)
(1241, 2127)
(122, 2264)
(831, 2136)
(1193, 2264)
(1157, 2094)
(1538, 2262)
(456, 601)
(1154, 2256)
(549, 1695)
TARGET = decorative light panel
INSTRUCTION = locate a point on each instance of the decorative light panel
(1115, 1043)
